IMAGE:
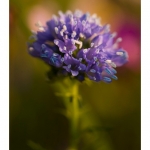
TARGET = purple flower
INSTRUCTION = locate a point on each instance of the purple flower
(78, 44)
(73, 65)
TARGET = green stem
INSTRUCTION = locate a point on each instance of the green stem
(74, 119)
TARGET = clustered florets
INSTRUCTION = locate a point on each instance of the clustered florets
(76, 44)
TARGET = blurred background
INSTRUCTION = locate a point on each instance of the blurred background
(115, 108)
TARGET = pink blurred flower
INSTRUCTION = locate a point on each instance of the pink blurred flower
(129, 31)
(39, 13)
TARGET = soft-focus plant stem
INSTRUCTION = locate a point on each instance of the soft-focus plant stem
(68, 90)
(74, 118)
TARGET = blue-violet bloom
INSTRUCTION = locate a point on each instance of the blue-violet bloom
(77, 44)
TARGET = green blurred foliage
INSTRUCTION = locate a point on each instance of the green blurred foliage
(111, 113)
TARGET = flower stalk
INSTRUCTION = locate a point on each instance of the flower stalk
(74, 119)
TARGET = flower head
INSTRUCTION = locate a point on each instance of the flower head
(77, 44)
